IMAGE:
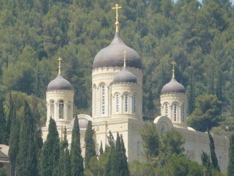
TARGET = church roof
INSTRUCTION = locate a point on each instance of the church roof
(59, 83)
(111, 56)
(173, 87)
(125, 76)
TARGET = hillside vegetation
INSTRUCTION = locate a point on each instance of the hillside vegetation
(199, 37)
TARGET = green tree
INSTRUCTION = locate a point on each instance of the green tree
(151, 141)
(213, 156)
(14, 141)
(230, 168)
(77, 168)
(64, 167)
(2, 123)
(205, 158)
(117, 161)
(206, 113)
(26, 163)
(89, 144)
(50, 151)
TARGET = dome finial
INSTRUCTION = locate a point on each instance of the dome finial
(173, 69)
(59, 67)
(124, 52)
(117, 7)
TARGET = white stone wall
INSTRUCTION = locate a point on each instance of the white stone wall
(104, 77)
(55, 96)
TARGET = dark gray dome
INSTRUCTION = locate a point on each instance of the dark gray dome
(173, 87)
(125, 76)
(59, 83)
(112, 55)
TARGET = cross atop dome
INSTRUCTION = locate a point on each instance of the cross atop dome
(124, 52)
(173, 69)
(59, 65)
(117, 7)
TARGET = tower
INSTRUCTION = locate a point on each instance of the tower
(59, 99)
(117, 94)
(173, 101)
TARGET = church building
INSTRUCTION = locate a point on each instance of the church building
(117, 105)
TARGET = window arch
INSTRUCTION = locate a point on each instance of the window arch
(52, 108)
(138, 148)
(175, 111)
(183, 113)
(126, 102)
(134, 103)
(117, 103)
(103, 97)
(61, 109)
(166, 109)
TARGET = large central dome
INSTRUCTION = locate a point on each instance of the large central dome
(112, 55)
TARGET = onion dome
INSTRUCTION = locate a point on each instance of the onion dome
(111, 56)
(59, 83)
(125, 76)
(173, 87)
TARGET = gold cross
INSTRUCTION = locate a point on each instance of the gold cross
(124, 52)
(59, 67)
(117, 7)
(173, 68)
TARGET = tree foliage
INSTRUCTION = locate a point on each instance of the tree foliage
(206, 113)
(89, 144)
(50, 151)
(77, 168)
(230, 168)
(27, 162)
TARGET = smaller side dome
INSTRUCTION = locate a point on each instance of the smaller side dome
(59, 83)
(173, 87)
(125, 76)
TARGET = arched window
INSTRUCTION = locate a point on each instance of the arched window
(134, 103)
(103, 99)
(117, 102)
(183, 113)
(61, 109)
(52, 108)
(175, 111)
(166, 109)
(126, 102)
(138, 149)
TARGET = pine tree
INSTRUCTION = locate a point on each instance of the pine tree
(89, 144)
(14, 141)
(230, 171)
(50, 151)
(26, 163)
(2, 123)
(77, 168)
(213, 156)
(64, 168)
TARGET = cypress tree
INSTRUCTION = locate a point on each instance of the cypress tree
(230, 168)
(8, 120)
(50, 151)
(117, 163)
(101, 149)
(64, 168)
(2, 123)
(89, 144)
(77, 168)
(26, 163)
(14, 141)
(213, 156)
